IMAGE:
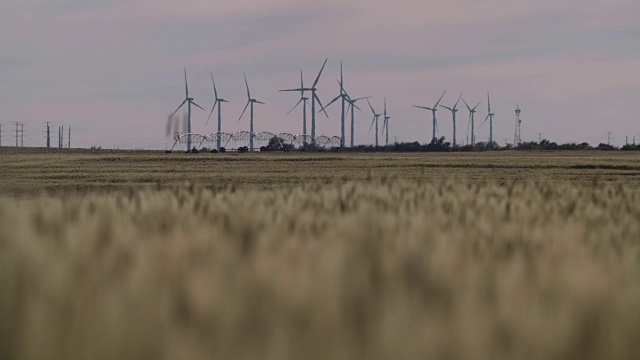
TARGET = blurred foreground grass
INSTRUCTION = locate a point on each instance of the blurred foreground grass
(378, 269)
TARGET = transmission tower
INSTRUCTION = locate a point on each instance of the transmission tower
(518, 139)
(609, 138)
(21, 135)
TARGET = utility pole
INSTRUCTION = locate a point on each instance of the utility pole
(59, 137)
(21, 135)
(1, 134)
(48, 134)
(17, 131)
(69, 137)
(626, 140)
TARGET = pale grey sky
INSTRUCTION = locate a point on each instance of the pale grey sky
(112, 69)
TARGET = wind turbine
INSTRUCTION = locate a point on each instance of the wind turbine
(489, 117)
(302, 100)
(385, 124)
(314, 98)
(375, 120)
(453, 110)
(472, 113)
(352, 106)
(189, 101)
(217, 101)
(433, 111)
(250, 101)
(344, 97)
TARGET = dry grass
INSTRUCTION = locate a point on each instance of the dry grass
(447, 260)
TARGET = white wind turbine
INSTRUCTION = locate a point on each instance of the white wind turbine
(189, 101)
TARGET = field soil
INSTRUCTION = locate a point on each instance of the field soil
(32, 171)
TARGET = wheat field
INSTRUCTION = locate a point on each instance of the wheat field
(320, 256)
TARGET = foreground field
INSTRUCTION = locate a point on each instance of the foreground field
(32, 171)
(378, 269)
(131, 255)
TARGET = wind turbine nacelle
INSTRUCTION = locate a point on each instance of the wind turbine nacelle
(190, 99)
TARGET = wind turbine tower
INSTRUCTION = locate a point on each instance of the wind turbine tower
(189, 101)
(352, 106)
(489, 117)
(302, 100)
(518, 139)
(385, 126)
(453, 110)
(314, 98)
(375, 120)
(472, 118)
(344, 97)
(217, 101)
(250, 101)
(433, 112)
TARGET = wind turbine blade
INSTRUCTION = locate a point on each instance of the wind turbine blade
(169, 126)
(301, 80)
(186, 86)
(300, 89)
(341, 77)
(477, 106)
(372, 122)
(320, 103)
(362, 98)
(178, 108)
(468, 107)
(446, 107)
(211, 113)
(185, 123)
(373, 111)
(247, 83)
(456, 104)
(489, 102)
(436, 105)
(355, 106)
(422, 107)
(485, 120)
(331, 102)
(298, 103)
(243, 111)
(215, 91)
(260, 102)
(198, 106)
(315, 83)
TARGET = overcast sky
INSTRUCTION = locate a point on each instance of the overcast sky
(113, 69)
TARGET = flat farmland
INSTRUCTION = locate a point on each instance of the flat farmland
(33, 171)
(141, 255)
